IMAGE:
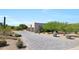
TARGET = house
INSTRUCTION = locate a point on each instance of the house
(35, 27)
(30, 28)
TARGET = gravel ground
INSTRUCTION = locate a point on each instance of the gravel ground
(36, 41)
(11, 45)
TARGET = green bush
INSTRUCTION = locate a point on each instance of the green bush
(21, 27)
(3, 42)
(59, 26)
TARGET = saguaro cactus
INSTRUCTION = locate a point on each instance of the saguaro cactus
(4, 24)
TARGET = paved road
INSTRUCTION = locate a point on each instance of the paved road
(42, 42)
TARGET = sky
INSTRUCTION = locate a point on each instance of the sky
(28, 16)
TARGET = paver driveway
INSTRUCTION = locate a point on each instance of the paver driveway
(42, 42)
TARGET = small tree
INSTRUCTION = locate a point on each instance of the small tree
(23, 26)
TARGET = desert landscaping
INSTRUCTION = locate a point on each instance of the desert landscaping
(19, 33)
(41, 37)
(8, 39)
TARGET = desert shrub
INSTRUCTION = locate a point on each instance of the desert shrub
(3, 42)
(55, 34)
(19, 44)
(6, 31)
(17, 35)
(69, 36)
(21, 27)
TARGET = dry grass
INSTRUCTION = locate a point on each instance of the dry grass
(8, 37)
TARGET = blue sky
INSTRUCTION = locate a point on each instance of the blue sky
(28, 16)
